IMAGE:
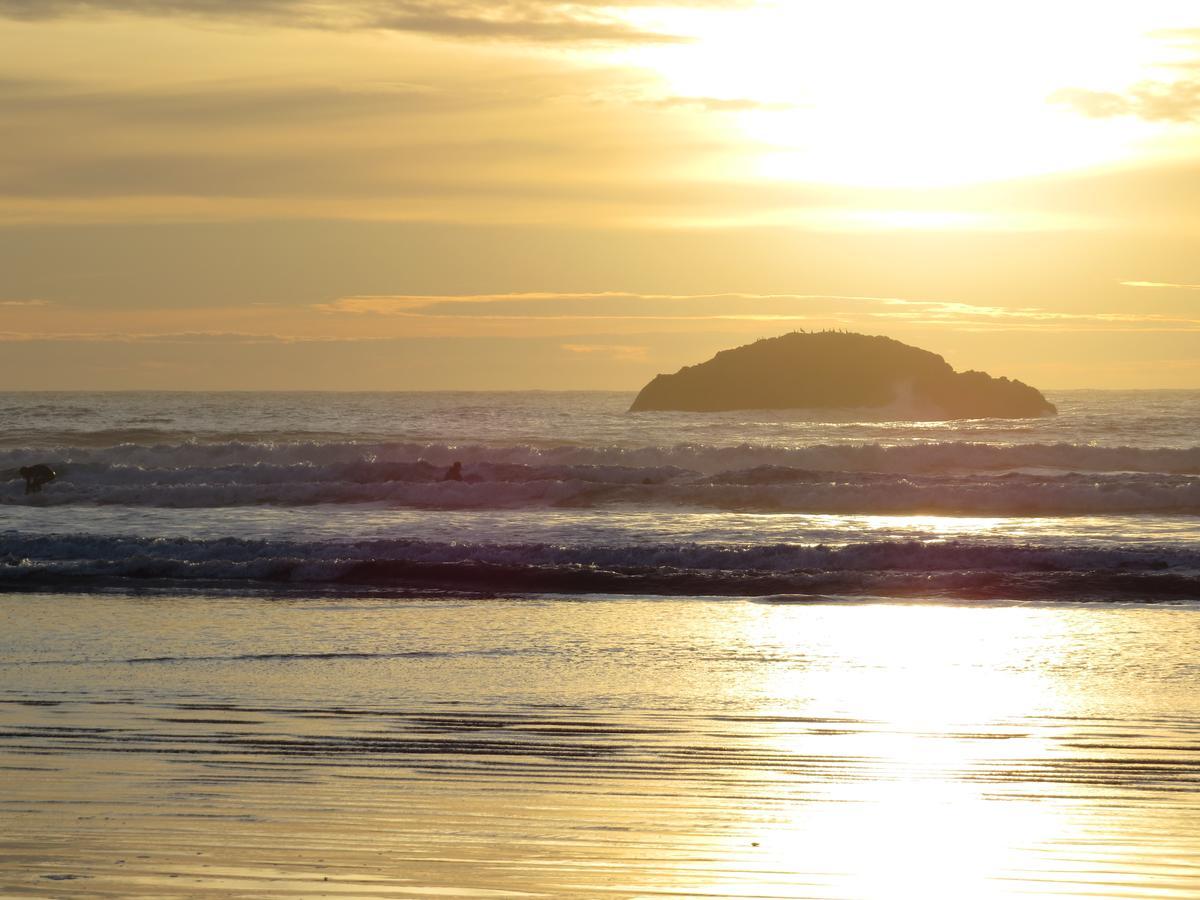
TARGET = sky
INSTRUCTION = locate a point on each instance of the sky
(517, 194)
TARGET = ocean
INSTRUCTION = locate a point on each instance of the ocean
(254, 645)
(570, 493)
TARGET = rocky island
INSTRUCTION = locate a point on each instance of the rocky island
(833, 370)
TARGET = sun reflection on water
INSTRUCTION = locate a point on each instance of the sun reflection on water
(941, 526)
(901, 720)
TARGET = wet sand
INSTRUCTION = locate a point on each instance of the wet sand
(248, 747)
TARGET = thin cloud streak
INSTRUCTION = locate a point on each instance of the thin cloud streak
(1161, 284)
(1151, 101)
(718, 104)
(541, 21)
(579, 320)
(617, 352)
(188, 337)
(795, 308)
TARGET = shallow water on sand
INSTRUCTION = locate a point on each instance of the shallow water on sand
(253, 747)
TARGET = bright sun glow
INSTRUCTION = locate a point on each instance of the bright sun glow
(924, 94)
(919, 700)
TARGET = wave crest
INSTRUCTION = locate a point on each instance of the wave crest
(906, 568)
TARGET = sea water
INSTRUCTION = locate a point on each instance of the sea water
(253, 645)
(570, 492)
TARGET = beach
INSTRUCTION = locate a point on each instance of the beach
(551, 747)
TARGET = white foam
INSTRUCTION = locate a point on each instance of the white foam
(949, 456)
(970, 567)
(490, 485)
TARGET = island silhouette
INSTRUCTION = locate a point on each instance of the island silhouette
(837, 370)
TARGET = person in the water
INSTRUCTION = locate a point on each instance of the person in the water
(454, 473)
(36, 476)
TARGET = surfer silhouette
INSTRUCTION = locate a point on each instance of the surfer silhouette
(36, 476)
(454, 473)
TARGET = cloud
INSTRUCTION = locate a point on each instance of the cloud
(718, 104)
(618, 352)
(24, 303)
(1161, 284)
(543, 21)
(234, 139)
(521, 145)
(529, 146)
(607, 305)
(501, 340)
(227, 105)
(1177, 35)
(186, 337)
(1152, 101)
(861, 313)
(992, 318)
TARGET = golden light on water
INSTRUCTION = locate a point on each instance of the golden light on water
(915, 668)
(679, 748)
(921, 840)
(932, 699)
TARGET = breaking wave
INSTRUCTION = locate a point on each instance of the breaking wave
(234, 475)
(932, 457)
(888, 568)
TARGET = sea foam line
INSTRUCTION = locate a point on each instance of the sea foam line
(491, 486)
(906, 568)
(934, 457)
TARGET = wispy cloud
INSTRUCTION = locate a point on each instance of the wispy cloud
(24, 303)
(618, 352)
(509, 148)
(718, 104)
(228, 105)
(794, 309)
(584, 306)
(1161, 284)
(553, 21)
(615, 339)
(185, 337)
(1152, 101)
(998, 318)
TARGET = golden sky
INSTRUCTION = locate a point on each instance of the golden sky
(412, 194)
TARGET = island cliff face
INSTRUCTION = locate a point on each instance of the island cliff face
(836, 370)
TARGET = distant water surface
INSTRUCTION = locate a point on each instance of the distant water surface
(589, 418)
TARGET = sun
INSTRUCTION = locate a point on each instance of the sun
(928, 93)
